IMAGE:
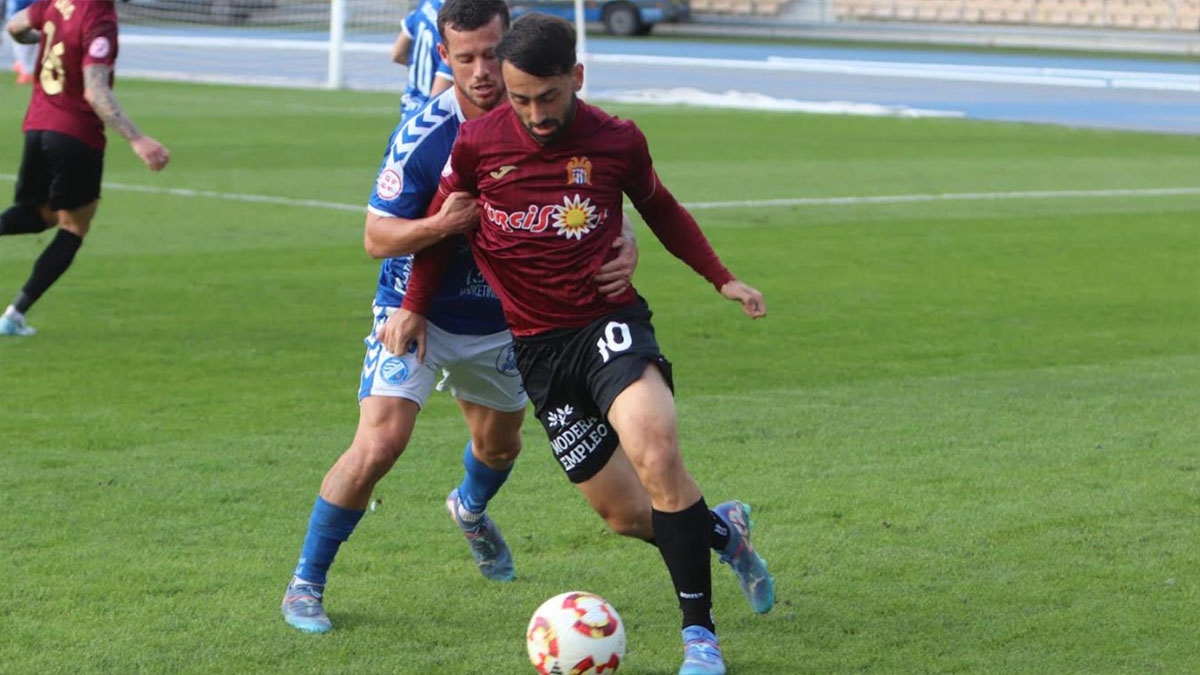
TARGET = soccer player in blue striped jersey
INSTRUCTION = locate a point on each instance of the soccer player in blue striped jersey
(467, 342)
(24, 56)
(417, 47)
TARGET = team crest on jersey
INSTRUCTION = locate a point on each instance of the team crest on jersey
(389, 184)
(579, 171)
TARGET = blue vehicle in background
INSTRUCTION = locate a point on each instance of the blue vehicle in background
(620, 17)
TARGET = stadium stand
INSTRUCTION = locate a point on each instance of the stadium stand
(761, 8)
(768, 7)
(1134, 14)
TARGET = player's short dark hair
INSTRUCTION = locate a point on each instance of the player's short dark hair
(463, 15)
(539, 44)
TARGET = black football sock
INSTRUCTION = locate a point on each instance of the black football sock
(683, 541)
(21, 219)
(49, 267)
(719, 538)
(720, 533)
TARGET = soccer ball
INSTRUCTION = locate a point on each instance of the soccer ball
(575, 633)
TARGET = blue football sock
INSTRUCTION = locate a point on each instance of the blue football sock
(480, 482)
(328, 527)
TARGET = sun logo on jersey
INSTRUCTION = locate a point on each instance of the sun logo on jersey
(575, 218)
(579, 171)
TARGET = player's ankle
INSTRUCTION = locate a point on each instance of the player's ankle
(467, 515)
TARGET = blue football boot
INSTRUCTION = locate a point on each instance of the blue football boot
(487, 544)
(302, 607)
(757, 584)
(701, 653)
(15, 325)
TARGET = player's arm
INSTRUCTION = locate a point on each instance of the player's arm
(429, 267)
(457, 183)
(679, 233)
(408, 325)
(405, 213)
(440, 83)
(389, 236)
(21, 30)
(99, 95)
(401, 48)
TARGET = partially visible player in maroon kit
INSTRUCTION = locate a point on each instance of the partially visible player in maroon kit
(59, 181)
(550, 173)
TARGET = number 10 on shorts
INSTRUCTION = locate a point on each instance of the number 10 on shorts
(616, 339)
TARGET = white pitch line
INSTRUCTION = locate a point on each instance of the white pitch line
(236, 197)
(950, 196)
(225, 196)
(699, 206)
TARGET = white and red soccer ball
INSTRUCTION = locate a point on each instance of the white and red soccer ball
(576, 633)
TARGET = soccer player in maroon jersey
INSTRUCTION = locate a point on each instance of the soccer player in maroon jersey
(59, 181)
(550, 173)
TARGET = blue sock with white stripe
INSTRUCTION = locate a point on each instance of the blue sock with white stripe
(328, 526)
(480, 482)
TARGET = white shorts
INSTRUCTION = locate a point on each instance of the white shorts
(479, 369)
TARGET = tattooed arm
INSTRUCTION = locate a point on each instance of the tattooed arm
(21, 30)
(99, 95)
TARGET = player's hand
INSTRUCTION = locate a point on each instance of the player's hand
(459, 213)
(151, 152)
(752, 301)
(402, 331)
(616, 274)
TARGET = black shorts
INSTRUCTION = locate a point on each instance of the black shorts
(58, 170)
(573, 375)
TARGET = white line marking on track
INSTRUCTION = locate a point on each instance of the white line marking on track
(698, 206)
(1062, 77)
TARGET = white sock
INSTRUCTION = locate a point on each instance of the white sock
(468, 516)
(13, 314)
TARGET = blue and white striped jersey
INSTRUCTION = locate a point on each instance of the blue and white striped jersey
(408, 178)
(14, 6)
(424, 62)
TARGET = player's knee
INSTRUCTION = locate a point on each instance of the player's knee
(499, 456)
(79, 228)
(376, 454)
(659, 465)
(49, 216)
(655, 440)
(24, 219)
(77, 221)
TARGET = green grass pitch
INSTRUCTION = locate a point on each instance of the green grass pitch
(969, 430)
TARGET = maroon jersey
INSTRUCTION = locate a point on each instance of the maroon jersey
(550, 214)
(75, 33)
